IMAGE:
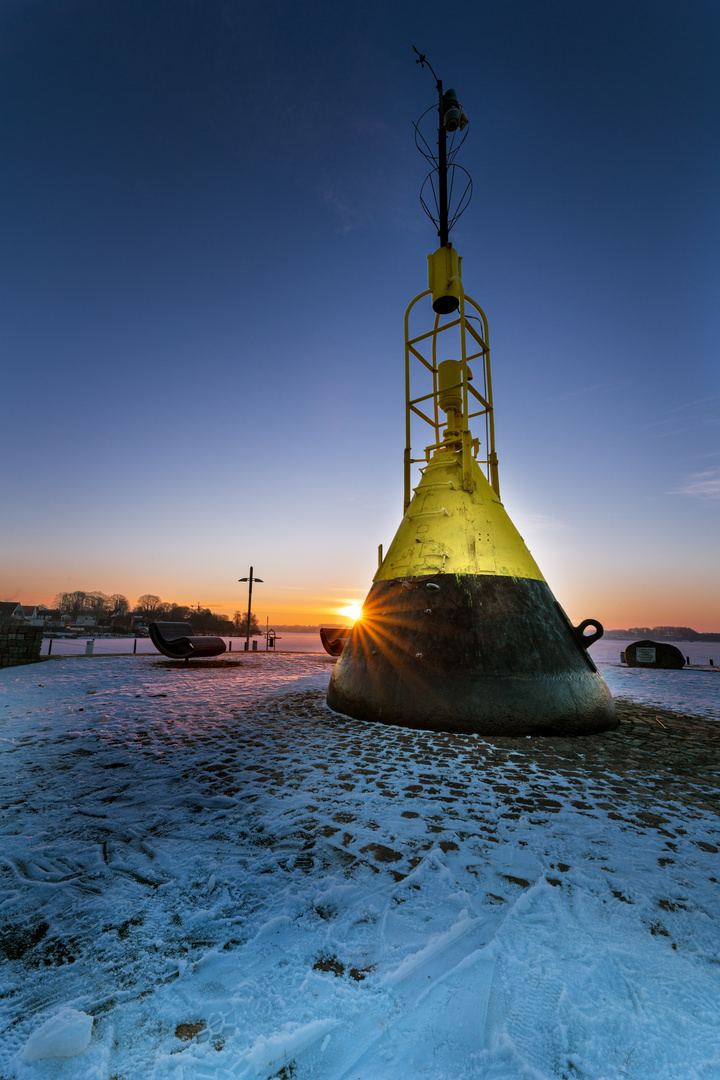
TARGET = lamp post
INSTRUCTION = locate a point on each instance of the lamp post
(250, 585)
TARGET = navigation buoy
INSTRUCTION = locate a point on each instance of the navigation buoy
(460, 631)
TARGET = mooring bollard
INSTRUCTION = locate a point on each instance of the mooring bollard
(89, 646)
(135, 645)
(712, 663)
(254, 648)
(229, 644)
(49, 645)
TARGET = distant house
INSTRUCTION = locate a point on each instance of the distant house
(86, 620)
(51, 617)
(11, 610)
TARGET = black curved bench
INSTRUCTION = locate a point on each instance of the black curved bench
(334, 638)
(176, 640)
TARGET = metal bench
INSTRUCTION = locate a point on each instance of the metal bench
(334, 638)
(177, 640)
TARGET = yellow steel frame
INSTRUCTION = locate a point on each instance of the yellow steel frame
(470, 396)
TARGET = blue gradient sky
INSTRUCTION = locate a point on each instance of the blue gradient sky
(211, 230)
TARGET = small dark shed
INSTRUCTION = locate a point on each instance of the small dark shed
(654, 654)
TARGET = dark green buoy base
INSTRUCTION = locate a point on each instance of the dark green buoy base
(484, 655)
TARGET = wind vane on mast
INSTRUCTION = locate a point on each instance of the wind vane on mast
(445, 174)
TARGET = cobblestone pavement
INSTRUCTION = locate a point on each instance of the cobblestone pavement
(654, 758)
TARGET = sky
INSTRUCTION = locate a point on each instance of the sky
(211, 230)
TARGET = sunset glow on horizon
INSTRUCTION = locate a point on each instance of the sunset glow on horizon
(621, 604)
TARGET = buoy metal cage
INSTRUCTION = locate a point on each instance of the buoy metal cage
(424, 348)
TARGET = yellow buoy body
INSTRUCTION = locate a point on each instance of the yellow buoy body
(448, 530)
(460, 631)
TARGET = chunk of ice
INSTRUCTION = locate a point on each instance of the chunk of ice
(64, 1035)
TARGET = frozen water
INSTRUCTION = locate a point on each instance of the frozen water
(287, 641)
(692, 689)
(232, 881)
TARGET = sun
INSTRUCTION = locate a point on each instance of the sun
(353, 611)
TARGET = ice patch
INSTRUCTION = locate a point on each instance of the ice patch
(64, 1035)
(267, 1052)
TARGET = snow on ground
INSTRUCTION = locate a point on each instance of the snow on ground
(211, 875)
(696, 690)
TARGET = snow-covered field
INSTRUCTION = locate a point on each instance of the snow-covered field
(205, 873)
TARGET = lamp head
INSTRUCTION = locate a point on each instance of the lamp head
(453, 116)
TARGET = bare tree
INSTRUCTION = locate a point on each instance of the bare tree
(149, 605)
(120, 604)
(206, 621)
(240, 624)
(71, 603)
(176, 612)
(98, 604)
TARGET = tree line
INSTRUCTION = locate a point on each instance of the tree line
(116, 611)
(664, 633)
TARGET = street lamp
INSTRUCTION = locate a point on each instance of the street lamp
(250, 580)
